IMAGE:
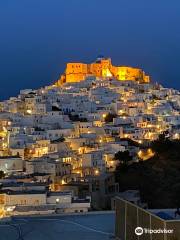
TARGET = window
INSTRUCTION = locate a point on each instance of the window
(37, 202)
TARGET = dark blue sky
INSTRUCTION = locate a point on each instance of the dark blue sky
(37, 38)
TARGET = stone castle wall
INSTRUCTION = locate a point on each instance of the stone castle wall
(76, 72)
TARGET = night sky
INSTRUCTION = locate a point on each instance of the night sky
(37, 38)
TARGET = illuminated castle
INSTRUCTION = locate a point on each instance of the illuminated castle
(102, 67)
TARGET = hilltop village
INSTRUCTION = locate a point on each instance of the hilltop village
(60, 145)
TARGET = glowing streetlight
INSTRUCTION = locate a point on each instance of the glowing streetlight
(29, 111)
(176, 135)
(63, 182)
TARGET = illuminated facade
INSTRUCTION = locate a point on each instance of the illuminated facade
(4, 136)
(102, 67)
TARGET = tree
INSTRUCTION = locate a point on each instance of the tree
(158, 178)
(123, 157)
(76, 118)
(162, 144)
(109, 117)
(176, 195)
(2, 174)
(55, 109)
(61, 139)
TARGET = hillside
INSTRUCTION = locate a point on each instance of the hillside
(157, 178)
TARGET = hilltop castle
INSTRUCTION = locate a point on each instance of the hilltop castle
(102, 67)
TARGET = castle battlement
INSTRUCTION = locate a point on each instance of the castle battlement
(102, 67)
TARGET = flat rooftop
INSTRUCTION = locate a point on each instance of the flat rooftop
(96, 226)
(166, 214)
(24, 184)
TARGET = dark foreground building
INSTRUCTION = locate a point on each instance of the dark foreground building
(136, 223)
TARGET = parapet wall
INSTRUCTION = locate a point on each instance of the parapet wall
(129, 217)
